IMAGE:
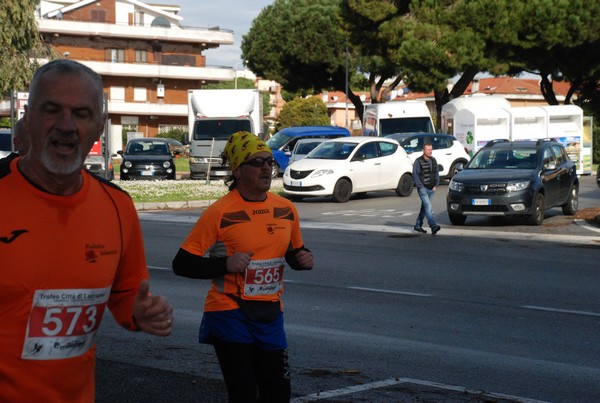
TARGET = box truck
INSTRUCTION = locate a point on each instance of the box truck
(213, 116)
(397, 117)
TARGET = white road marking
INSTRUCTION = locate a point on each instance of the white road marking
(396, 381)
(447, 231)
(558, 310)
(584, 224)
(574, 239)
(412, 294)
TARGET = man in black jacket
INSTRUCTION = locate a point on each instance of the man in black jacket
(426, 175)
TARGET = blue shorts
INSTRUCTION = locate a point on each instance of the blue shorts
(234, 327)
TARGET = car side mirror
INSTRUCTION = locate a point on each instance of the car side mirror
(120, 152)
(359, 157)
(550, 167)
(287, 152)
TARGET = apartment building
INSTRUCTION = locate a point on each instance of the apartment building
(147, 59)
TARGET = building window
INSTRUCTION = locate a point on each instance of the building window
(98, 15)
(138, 18)
(115, 55)
(117, 94)
(141, 56)
(139, 94)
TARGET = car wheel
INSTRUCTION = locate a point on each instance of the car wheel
(342, 191)
(570, 207)
(537, 210)
(457, 166)
(457, 219)
(275, 171)
(405, 185)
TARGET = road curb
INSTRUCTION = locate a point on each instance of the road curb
(182, 205)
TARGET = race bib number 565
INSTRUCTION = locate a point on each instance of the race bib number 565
(264, 277)
(63, 323)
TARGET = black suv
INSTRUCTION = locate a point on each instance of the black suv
(514, 178)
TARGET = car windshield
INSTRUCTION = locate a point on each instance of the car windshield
(305, 148)
(332, 151)
(278, 140)
(147, 148)
(517, 158)
(406, 125)
(220, 129)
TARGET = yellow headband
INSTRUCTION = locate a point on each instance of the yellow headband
(241, 146)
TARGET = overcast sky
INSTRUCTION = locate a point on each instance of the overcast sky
(236, 15)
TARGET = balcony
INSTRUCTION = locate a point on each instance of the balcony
(206, 37)
(161, 71)
(147, 108)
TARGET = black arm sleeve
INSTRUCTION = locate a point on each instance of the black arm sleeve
(290, 258)
(187, 264)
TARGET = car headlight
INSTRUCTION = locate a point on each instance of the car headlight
(166, 164)
(517, 186)
(127, 164)
(322, 172)
(456, 186)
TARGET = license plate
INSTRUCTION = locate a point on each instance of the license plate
(481, 202)
(146, 173)
(220, 173)
(296, 183)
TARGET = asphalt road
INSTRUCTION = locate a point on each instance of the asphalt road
(491, 312)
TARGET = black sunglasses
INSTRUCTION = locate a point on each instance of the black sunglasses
(259, 162)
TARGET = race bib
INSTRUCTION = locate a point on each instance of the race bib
(63, 323)
(264, 277)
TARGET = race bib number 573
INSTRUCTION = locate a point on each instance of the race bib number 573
(63, 323)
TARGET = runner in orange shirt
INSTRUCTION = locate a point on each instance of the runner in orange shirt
(242, 242)
(70, 246)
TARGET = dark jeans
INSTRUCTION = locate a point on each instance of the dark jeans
(425, 195)
(252, 374)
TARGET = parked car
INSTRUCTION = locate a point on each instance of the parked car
(282, 143)
(449, 153)
(303, 147)
(347, 165)
(97, 165)
(147, 158)
(5, 143)
(598, 176)
(176, 147)
(514, 178)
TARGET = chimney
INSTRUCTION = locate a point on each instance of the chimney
(475, 86)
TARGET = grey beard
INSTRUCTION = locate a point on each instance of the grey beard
(61, 167)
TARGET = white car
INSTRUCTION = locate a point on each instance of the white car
(449, 153)
(349, 165)
(303, 147)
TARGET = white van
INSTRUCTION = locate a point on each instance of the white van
(397, 117)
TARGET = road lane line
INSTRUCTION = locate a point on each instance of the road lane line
(558, 310)
(346, 391)
(412, 294)
(396, 381)
(479, 394)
